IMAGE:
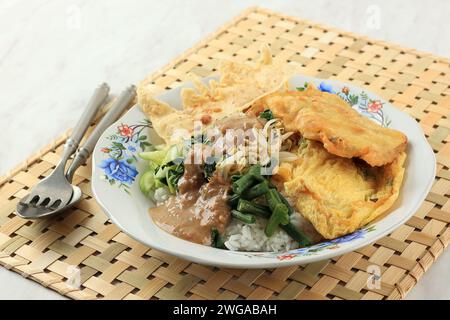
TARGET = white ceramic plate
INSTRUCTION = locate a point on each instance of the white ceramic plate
(116, 169)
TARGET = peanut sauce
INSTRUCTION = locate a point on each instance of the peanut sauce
(196, 209)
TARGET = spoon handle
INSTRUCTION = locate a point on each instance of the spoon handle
(113, 113)
(95, 102)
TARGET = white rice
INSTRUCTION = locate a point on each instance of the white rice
(240, 236)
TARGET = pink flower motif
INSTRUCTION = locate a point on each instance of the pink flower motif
(125, 130)
(374, 106)
(286, 257)
(345, 90)
(105, 150)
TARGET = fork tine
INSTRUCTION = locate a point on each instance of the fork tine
(56, 204)
(43, 201)
(27, 199)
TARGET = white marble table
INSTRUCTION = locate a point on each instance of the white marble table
(53, 53)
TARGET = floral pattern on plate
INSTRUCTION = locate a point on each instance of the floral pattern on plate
(370, 108)
(326, 245)
(130, 213)
(119, 168)
(315, 249)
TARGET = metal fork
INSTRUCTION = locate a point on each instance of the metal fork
(117, 107)
(55, 190)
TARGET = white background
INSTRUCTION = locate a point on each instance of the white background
(53, 53)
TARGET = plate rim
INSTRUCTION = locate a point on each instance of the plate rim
(261, 261)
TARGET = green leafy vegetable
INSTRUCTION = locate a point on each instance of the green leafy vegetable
(165, 168)
(173, 175)
(209, 168)
(216, 239)
(266, 114)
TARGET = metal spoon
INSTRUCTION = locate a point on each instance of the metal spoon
(83, 153)
(34, 212)
(55, 191)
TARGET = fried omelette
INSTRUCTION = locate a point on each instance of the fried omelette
(326, 117)
(349, 169)
(239, 86)
(340, 195)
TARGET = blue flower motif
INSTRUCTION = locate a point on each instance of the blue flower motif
(300, 250)
(131, 148)
(325, 87)
(119, 170)
(349, 237)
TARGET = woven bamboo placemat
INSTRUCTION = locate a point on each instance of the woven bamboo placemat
(114, 266)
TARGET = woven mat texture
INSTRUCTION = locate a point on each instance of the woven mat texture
(114, 266)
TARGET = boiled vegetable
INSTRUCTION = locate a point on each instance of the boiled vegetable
(146, 182)
(264, 212)
(245, 182)
(165, 168)
(296, 234)
(233, 200)
(247, 218)
(257, 190)
(273, 199)
(252, 176)
(279, 217)
(253, 208)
